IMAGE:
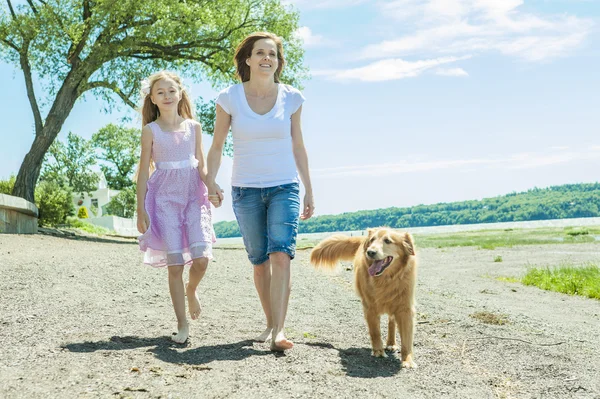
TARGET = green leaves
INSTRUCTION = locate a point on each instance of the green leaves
(120, 148)
(122, 42)
(70, 164)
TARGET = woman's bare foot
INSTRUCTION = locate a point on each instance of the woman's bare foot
(193, 303)
(182, 334)
(281, 343)
(265, 336)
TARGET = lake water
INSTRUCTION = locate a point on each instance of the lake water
(576, 222)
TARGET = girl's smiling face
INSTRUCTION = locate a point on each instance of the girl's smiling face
(166, 93)
(263, 59)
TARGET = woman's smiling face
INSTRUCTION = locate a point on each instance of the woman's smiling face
(263, 59)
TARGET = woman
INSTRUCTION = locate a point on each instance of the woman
(268, 155)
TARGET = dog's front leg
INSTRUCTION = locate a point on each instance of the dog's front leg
(373, 321)
(390, 345)
(406, 327)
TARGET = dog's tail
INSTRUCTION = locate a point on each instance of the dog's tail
(333, 249)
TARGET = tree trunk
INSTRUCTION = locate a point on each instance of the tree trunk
(31, 166)
(29, 172)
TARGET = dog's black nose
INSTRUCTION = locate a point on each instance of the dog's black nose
(371, 253)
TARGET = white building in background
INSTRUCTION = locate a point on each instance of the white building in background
(95, 200)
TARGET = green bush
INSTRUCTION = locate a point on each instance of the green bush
(82, 213)
(6, 186)
(54, 203)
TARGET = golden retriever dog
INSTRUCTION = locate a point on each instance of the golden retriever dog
(385, 276)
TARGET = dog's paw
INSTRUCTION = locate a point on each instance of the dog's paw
(378, 353)
(409, 363)
(392, 348)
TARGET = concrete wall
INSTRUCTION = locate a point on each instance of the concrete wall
(17, 216)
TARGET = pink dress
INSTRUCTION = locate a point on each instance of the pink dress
(176, 202)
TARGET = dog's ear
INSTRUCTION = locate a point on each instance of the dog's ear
(367, 240)
(409, 245)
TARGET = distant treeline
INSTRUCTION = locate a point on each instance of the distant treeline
(556, 202)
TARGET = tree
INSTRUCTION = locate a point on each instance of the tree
(71, 164)
(120, 149)
(122, 204)
(106, 47)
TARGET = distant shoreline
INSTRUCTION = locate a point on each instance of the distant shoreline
(454, 228)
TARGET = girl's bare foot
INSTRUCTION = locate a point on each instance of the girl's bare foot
(182, 334)
(193, 303)
(265, 336)
(281, 343)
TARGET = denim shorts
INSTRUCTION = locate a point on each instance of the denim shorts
(268, 219)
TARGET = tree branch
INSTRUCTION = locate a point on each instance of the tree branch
(76, 49)
(35, 11)
(111, 86)
(11, 45)
(30, 91)
(12, 11)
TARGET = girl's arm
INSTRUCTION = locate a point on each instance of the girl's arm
(200, 152)
(302, 164)
(143, 221)
(213, 160)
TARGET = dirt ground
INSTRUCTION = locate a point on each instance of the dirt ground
(84, 319)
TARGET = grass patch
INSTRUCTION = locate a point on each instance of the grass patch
(498, 258)
(492, 239)
(308, 335)
(490, 318)
(568, 279)
(506, 279)
(89, 228)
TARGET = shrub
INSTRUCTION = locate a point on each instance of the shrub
(54, 203)
(82, 213)
(6, 186)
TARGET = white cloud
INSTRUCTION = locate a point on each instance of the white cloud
(515, 161)
(466, 26)
(451, 72)
(309, 39)
(390, 69)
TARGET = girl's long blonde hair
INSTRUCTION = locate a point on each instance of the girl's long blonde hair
(150, 111)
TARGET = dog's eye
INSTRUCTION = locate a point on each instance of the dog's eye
(387, 241)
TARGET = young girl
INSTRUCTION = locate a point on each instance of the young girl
(174, 214)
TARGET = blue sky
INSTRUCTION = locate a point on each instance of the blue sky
(418, 101)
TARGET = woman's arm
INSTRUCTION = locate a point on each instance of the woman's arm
(143, 221)
(213, 160)
(301, 158)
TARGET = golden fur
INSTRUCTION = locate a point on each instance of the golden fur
(383, 289)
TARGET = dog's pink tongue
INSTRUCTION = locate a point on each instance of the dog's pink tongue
(376, 267)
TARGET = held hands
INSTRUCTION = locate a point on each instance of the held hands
(143, 221)
(215, 194)
(309, 207)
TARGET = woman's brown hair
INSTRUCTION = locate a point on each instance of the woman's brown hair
(244, 51)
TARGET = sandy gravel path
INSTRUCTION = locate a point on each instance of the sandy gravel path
(84, 319)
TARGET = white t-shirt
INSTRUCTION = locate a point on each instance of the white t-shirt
(262, 144)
